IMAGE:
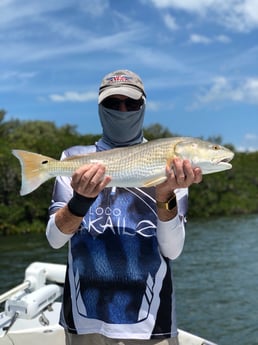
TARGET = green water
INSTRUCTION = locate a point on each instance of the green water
(217, 280)
(216, 276)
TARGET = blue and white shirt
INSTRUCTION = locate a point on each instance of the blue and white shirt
(119, 280)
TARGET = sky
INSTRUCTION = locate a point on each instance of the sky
(198, 60)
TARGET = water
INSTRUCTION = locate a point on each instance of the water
(17, 252)
(217, 280)
(216, 276)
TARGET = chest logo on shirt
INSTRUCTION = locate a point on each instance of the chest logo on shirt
(125, 213)
(100, 220)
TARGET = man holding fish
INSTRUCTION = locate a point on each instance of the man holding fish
(119, 287)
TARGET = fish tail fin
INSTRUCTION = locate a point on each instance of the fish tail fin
(34, 170)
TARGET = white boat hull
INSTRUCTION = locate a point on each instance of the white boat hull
(36, 330)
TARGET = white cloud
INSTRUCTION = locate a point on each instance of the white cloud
(249, 143)
(222, 39)
(234, 14)
(95, 8)
(15, 79)
(154, 106)
(251, 136)
(190, 5)
(40, 31)
(14, 12)
(201, 39)
(15, 75)
(170, 22)
(251, 89)
(194, 38)
(223, 89)
(73, 96)
(87, 44)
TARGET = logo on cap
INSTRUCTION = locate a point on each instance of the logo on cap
(119, 78)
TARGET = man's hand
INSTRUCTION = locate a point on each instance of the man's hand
(182, 175)
(89, 180)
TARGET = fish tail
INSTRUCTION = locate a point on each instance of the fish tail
(34, 170)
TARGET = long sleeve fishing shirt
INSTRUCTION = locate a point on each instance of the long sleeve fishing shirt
(119, 273)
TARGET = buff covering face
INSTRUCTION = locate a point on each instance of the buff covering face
(121, 128)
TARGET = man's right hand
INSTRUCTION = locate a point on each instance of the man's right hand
(89, 180)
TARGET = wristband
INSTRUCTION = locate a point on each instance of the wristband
(79, 204)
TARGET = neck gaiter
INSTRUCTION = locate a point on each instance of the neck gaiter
(121, 128)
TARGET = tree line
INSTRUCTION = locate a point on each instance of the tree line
(231, 192)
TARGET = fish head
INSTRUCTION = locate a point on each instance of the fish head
(208, 156)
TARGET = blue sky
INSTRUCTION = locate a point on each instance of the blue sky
(198, 60)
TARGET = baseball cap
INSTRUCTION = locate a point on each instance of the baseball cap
(121, 82)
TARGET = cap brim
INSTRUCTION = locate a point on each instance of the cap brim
(121, 90)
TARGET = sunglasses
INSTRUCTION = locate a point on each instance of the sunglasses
(130, 104)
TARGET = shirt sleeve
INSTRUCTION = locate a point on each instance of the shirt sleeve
(171, 234)
(55, 237)
(62, 193)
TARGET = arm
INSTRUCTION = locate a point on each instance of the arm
(170, 226)
(171, 233)
(87, 182)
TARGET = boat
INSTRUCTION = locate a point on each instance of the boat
(30, 313)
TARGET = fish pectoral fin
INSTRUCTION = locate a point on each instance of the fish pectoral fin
(154, 181)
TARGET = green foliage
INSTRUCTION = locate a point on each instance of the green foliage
(156, 131)
(226, 193)
(29, 213)
(231, 192)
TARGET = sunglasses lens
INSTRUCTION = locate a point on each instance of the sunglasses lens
(133, 104)
(115, 103)
(112, 103)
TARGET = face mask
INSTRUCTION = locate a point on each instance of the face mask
(121, 128)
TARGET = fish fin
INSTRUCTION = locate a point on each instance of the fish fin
(154, 181)
(34, 170)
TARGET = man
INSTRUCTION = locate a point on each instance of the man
(118, 287)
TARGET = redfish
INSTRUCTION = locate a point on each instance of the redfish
(142, 165)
